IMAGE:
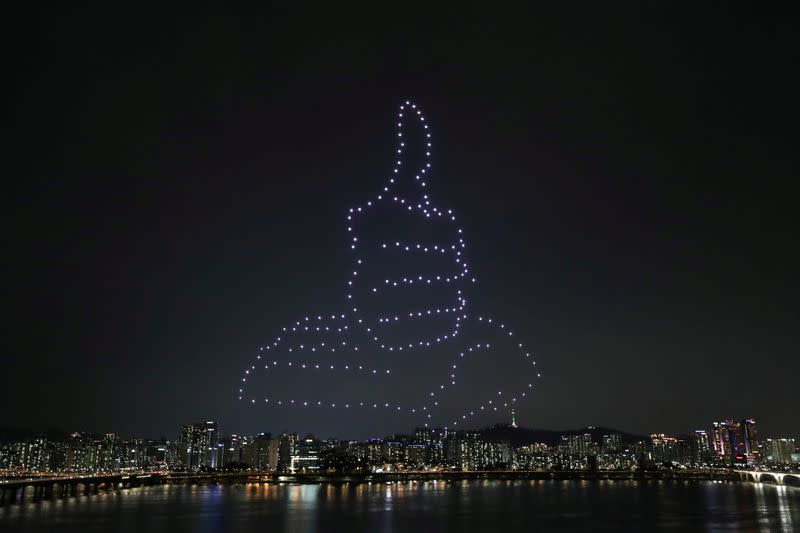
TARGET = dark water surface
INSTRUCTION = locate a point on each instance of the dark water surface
(464, 506)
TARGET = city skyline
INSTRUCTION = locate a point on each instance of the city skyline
(198, 446)
(509, 421)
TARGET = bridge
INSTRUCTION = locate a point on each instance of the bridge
(37, 488)
(758, 476)
(47, 487)
(16, 490)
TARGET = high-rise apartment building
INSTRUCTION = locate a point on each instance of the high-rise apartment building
(612, 443)
(433, 439)
(780, 450)
(288, 450)
(701, 448)
(580, 445)
(308, 450)
(198, 445)
(735, 443)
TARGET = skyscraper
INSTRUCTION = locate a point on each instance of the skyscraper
(257, 450)
(307, 460)
(433, 439)
(576, 444)
(210, 443)
(664, 448)
(780, 450)
(735, 442)
(273, 449)
(198, 445)
(701, 448)
(612, 443)
(288, 450)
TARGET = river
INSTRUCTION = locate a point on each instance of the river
(448, 507)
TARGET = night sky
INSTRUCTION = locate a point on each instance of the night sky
(177, 184)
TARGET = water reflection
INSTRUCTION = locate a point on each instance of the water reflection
(460, 506)
(787, 499)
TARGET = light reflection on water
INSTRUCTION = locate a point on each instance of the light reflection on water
(461, 506)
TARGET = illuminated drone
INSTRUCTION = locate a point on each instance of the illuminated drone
(405, 296)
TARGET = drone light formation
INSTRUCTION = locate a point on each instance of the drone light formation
(336, 333)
